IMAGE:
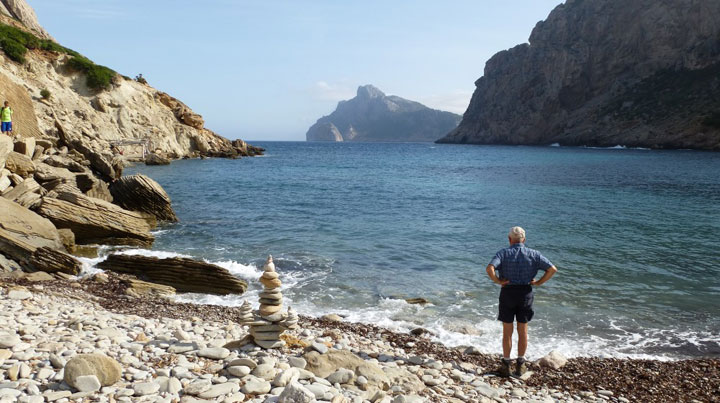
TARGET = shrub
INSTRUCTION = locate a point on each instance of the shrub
(18, 41)
(45, 93)
(98, 77)
(14, 50)
(15, 43)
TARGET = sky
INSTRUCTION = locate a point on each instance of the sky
(267, 69)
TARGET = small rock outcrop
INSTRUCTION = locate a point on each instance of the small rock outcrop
(183, 274)
(140, 193)
(374, 116)
(604, 73)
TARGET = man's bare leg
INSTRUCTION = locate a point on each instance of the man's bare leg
(507, 339)
(522, 329)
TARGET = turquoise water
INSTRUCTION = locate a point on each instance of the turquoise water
(355, 228)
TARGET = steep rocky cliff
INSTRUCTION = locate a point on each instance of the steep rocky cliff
(23, 13)
(374, 116)
(642, 73)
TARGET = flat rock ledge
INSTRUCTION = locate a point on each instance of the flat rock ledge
(183, 274)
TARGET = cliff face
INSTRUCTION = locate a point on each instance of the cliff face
(374, 116)
(22, 12)
(643, 73)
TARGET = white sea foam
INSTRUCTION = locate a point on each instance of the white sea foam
(151, 253)
(244, 271)
(555, 145)
(398, 315)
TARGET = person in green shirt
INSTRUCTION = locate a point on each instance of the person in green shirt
(6, 119)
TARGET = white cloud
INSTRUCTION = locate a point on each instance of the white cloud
(456, 101)
(324, 91)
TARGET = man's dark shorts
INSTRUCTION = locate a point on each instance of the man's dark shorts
(516, 304)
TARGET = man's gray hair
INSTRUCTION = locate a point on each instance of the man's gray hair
(516, 234)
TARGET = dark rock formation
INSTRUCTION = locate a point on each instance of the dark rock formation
(643, 73)
(185, 275)
(374, 116)
(140, 193)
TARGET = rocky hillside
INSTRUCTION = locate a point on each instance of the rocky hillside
(643, 73)
(48, 85)
(374, 116)
(61, 183)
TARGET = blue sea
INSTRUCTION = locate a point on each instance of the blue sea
(355, 228)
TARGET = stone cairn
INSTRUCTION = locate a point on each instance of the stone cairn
(246, 313)
(270, 321)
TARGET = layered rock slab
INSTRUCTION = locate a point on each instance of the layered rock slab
(98, 221)
(140, 193)
(183, 274)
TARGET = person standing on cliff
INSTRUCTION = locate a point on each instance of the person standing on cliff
(6, 119)
(515, 268)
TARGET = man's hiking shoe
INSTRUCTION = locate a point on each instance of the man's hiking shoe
(521, 367)
(504, 369)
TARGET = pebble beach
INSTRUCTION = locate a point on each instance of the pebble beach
(162, 351)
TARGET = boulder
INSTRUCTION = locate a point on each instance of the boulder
(185, 275)
(26, 146)
(53, 261)
(38, 153)
(46, 173)
(98, 221)
(155, 159)
(4, 180)
(28, 226)
(60, 161)
(323, 365)
(6, 147)
(27, 186)
(140, 193)
(101, 163)
(20, 164)
(106, 369)
(67, 237)
(139, 288)
(554, 360)
(408, 382)
(296, 393)
(93, 187)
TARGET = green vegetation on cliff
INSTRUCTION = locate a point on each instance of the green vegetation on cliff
(16, 42)
(98, 77)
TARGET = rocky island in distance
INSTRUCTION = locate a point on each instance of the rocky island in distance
(373, 116)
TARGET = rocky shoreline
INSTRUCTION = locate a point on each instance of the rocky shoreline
(171, 351)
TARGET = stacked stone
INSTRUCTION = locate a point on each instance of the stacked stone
(291, 321)
(246, 313)
(268, 326)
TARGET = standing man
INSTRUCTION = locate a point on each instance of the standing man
(516, 268)
(6, 119)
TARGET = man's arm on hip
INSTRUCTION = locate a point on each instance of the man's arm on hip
(491, 273)
(548, 273)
